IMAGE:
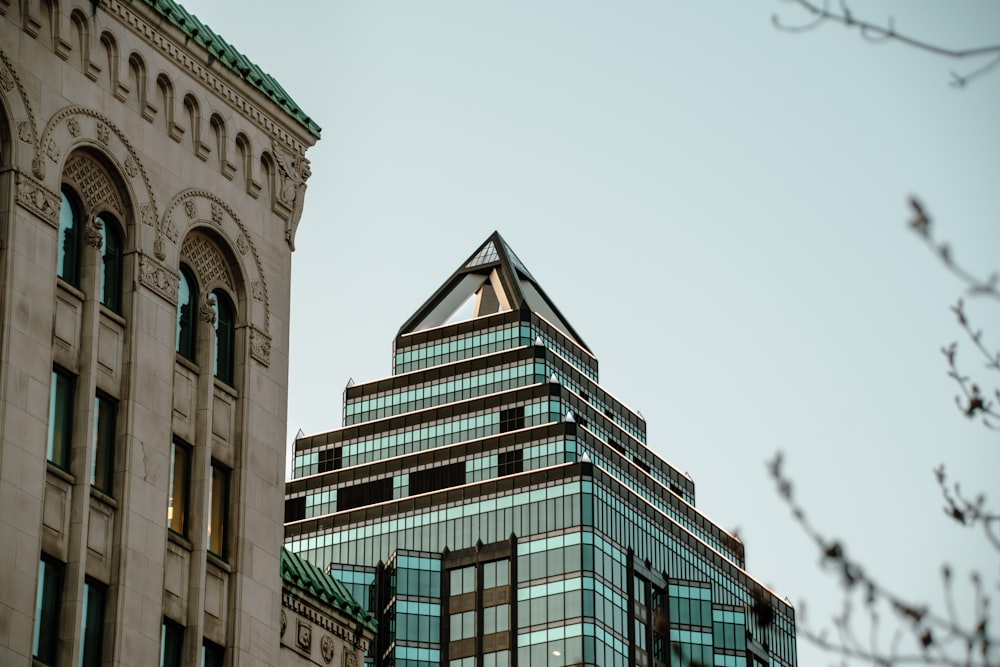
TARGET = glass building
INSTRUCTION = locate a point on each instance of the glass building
(494, 506)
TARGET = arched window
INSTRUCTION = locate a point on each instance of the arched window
(70, 223)
(111, 263)
(225, 336)
(187, 304)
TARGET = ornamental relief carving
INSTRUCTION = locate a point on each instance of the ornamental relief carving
(293, 172)
(303, 635)
(158, 278)
(18, 105)
(260, 346)
(94, 234)
(38, 199)
(89, 179)
(206, 260)
(326, 648)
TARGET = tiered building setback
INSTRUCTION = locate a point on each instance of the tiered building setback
(493, 505)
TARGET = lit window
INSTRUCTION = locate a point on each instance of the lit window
(92, 634)
(171, 643)
(68, 267)
(103, 469)
(60, 418)
(177, 503)
(50, 576)
(225, 336)
(111, 264)
(217, 504)
(187, 303)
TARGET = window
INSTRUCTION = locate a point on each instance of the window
(60, 418)
(111, 264)
(217, 503)
(496, 619)
(171, 643)
(212, 655)
(92, 632)
(68, 266)
(225, 336)
(46, 639)
(495, 573)
(177, 504)
(512, 419)
(187, 303)
(463, 580)
(103, 470)
(463, 625)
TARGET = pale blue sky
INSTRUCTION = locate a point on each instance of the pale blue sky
(716, 206)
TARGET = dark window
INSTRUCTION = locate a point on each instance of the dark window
(187, 304)
(676, 489)
(212, 655)
(358, 495)
(92, 632)
(510, 463)
(217, 515)
(617, 446)
(60, 418)
(103, 469)
(639, 462)
(171, 643)
(46, 639)
(329, 459)
(225, 337)
(511, 419)
(70, 221)
(112, 248)
(441, 477)
(180, 472)
(295, 509)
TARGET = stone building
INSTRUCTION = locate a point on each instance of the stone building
(151, 181)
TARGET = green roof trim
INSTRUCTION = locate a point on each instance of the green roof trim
(301, 573)
(227, 54)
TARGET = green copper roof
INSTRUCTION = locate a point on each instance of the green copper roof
(233, 59)
(303, 574)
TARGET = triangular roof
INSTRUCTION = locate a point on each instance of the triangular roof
(299, 572)
(498, 281)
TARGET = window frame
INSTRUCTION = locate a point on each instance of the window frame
(225, 337)
(112, 263)
(62, 396)
(218, 511)
(178, 513)
(187, 315)
(69, 240)
(172, 640)
(48, 608)
(91, 635)
(102, 471)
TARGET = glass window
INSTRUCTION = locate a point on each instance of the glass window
(103, 468)
(225, 336)
(217, 503)
(50, 581)
(60, 418)
(111, 264)
(212, 655)
(495, 573)
(463, 580)
(177, 503)
(496, 619)
(171, 643)
(70, 220)
(92, 632)
(187, 304)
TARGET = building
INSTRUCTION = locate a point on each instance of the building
(151, 181)
(494, 505)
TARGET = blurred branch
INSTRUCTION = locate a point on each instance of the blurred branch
(968, 512)
(923, 636)
(876, 33)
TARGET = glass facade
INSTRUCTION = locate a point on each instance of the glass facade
(492, 505)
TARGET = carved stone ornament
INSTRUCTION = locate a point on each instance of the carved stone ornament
(206, 260)
(260, 346)
(326, 648)
(130, 167)
(206, 312)
(94, 233)
(293, 172)
(73, 125)
(38, 199)
(216, 214)
(284, 623)
(6, 80)
(189, 209)
(103, 133)
(242, 245)
(92, 183)
(158, 278)
(303, 635)
(24, 131)
(350, 659)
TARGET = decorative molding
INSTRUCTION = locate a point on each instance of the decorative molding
(284, 622)
(158, 278)
(216, 214)
(9, 81)
(37, 198)
(298, 604)
(155, 36)
(303, 635)
(24, 132)
(260, 346)
(103, 133)
(206, 311)
(73, 125)
(93, 184)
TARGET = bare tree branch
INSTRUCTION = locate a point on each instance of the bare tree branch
(876, 33)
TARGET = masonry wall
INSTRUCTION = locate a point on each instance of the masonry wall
(192, 167)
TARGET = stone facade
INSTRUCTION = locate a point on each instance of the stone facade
(144, 168)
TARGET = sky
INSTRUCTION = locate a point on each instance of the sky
(718, 208)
